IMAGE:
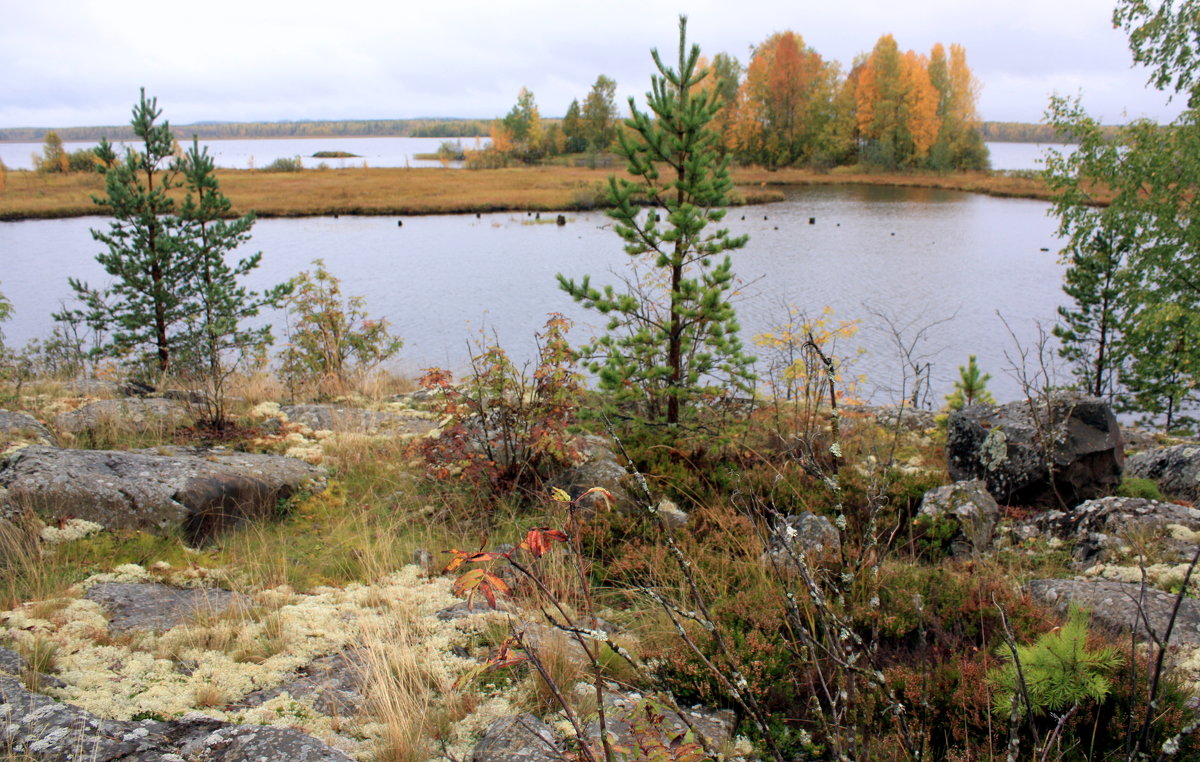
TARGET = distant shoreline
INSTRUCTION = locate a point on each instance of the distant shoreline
(399, 191)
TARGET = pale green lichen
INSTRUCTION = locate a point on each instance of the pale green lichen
(129, 675)
(993, 452)
(1166, 577)
(72, 529)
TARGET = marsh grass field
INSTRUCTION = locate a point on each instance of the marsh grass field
(387, 191)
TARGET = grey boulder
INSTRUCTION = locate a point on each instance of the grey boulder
(806, 533)
(519, 738)
(971, 507)
(37, 727)
(136, 414)
(149, 606)
(16, 427)
(598, 467)
(1123, 607)
(622, 710)
(1014, 447)
(349, 419)
(1175, 469)
(201, 492)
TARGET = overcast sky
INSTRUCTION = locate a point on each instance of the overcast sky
(81, 62)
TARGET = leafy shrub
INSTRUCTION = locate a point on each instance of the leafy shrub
(329, 338)
(507, 431)
(285, 164)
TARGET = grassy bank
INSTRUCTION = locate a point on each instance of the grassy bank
(29, 195)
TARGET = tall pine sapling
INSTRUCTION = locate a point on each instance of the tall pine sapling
(151, 289)
(216, 343)
(1089, 330)
(672, 336)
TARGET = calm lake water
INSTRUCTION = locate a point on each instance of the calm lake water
(919, 255)
(248, 154)
(399, 152)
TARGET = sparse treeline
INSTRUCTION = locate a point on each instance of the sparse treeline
(790, 107)
(399, 128)
(1022, 132)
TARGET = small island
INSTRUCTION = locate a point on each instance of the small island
(335, 155)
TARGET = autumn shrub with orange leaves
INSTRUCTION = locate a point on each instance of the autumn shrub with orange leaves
(504, 430)
(651, 738)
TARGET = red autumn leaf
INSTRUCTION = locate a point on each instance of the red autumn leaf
(537, 541)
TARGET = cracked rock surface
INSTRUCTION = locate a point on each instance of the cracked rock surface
(200, 491)
(48, 731)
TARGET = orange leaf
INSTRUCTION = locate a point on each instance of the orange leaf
(608, 498)
(537, 541)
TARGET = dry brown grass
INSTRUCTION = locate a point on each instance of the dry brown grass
(396, 191)
(414, 702)
(990, 183)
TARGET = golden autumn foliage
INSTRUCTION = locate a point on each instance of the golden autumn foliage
(783, 105)
(920, 104)
(915, 110)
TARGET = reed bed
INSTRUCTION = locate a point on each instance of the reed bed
(401, 191)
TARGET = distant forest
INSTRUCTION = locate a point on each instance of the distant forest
(375, 128)
(1000, 132)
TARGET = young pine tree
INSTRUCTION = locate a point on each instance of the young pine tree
(673, 335)
(1090, 328)
(152, 284)
(215, 342)
(970, 388)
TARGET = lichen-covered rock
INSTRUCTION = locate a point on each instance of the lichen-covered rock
(257, 743)
(1123, 607)
(332, 682)
(96, 387)
(22, 428)
(806, 533)
(903, 417)
(37, 727)
(598, 467)
(1176, 469)
(16, 665)
(519, 738)
(348, 419)
(197, 490)
(1012, 448)
(136, 414)
(1096, 527)
(152, 606)
(972, 507)
(622, 709)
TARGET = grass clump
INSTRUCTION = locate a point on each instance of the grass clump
(1132, 486)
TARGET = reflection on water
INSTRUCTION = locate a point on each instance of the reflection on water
(919, 256)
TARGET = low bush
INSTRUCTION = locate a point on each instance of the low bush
(506, 431)
(285, 164)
